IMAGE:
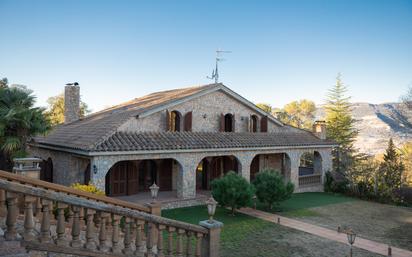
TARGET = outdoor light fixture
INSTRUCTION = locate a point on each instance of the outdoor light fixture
(351, 239)
(211, 208)
(94, 169)
(154, 189)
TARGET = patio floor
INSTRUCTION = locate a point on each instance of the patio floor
(164, 197)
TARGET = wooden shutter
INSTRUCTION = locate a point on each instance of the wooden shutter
(233, 123)
(188, 122)
(222, 123)
(249, 123)
(132, 179)
(264, 124)
(167, 120)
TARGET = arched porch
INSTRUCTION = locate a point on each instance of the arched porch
(275, 161)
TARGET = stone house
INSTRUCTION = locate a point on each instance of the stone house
(181, 140)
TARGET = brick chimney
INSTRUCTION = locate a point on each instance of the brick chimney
(71, 102)
(319, 129)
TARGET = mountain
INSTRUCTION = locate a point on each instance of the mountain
(379, 122)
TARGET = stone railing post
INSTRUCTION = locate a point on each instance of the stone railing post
(28, 234)
(211, 242)
(3, 208)
(76, 242)
(90, 243)
(45, 222)
(115, 235)
(61, 226)
(12, 213)
(102, 234)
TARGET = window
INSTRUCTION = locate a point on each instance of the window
(174, 120)
(227, 122)
(253, 124)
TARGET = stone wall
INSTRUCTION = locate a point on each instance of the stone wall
(67, 168)
(206, 111)
(71, 103)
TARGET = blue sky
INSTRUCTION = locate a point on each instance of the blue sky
(281, 50)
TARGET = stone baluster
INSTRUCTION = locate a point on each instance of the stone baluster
(45, 222)
(81, 217)
(76, 242)
(12, 213)
(28, 234)
(199, 239)
(3, 208)
(51, 208)
(127, 237)
(139, 238)
(160, 229)
(97, 220)
(179, 247)
(90, 243)
(115, 236)
(61, 225)
(102, 234)
(70, 217)
(170, 231)
(189, 251)
(38, 209)
(149, 240)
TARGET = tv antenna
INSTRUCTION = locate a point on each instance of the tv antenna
(215, 72)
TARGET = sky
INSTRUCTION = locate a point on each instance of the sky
(280, 50)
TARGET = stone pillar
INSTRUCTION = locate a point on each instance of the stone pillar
(71, 102)
(98, 170)
(245, 160)
(294, 167)
(211, 242)
(186, 178)
(326, 156)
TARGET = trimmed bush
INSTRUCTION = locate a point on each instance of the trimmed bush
(271, 188)
(232, 191)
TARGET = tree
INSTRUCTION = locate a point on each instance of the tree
(390, 171)
(4, 82)
(265, 107)
(341, 127)
(406, 155)
(55, 110)
(232, 191)
(19, 121)
(271, 188)
(300, 114)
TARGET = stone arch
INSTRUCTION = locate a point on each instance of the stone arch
(212, 167)
(122, 179)
(46, 170)
(310, 162)
(254, 121)
(274, 161)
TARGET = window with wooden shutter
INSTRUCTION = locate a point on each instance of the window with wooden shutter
(168, 127)
(264, 124)
(188, 122)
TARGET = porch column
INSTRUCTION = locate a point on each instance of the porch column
(294, 168)
(98, 170)
(245, 160)
(186, 178)
(326, 156)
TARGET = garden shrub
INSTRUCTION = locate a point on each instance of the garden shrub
(271, 188)
(232, 191)
(88, 188)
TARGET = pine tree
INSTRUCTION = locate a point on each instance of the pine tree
(391, 170)
(341, 127)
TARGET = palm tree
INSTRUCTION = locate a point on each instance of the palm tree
(19, 120)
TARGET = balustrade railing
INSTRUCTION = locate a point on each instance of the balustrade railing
(62, 222)
(310, 180)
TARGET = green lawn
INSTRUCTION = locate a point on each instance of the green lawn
(245, 236)
(300, 204)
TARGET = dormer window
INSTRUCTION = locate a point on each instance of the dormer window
(227, 122)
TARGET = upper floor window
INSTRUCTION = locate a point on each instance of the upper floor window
(227, 122)
(253, 123)
(174, 120)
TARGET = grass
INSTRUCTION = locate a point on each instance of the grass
(245, 236)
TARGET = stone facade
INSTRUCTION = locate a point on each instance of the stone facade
(206, 111)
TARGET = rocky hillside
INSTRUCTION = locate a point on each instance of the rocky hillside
(379, 122)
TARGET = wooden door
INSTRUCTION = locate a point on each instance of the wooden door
(132, 179)
(165, 175)
(118, 179)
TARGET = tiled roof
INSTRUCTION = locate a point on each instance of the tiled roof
(93, 129)
(150, 141)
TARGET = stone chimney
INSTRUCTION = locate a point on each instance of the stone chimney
(319, 129)
(71, 102)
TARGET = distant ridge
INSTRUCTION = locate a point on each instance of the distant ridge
(379, 122)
